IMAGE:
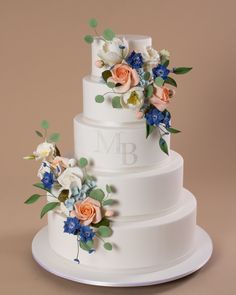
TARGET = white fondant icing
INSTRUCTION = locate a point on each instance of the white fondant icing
(117, 147)
(136, 42)
(152, 243)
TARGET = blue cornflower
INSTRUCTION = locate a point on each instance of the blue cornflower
(72, 225)
(154, 117)
(48, 180)
(86, 233)
(166, 120)
(135, 60)
(160, 71)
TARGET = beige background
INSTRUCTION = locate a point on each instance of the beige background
(42, 61)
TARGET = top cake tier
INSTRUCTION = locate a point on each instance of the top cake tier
(136, 43)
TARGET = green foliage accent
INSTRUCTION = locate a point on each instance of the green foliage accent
(93, 23)
(31, 157)
(181, 70)
(39, 133)
(116, 102)
(172, 130)
(86, 246)
(106, 74)
(108, 189)
(41, 186)
(108, 34)
(63, 195)
(99, 98)
(108, 202)
(97, 194)
(83, 162)
(32, 199)
(45, 124)
(146, 76)
(54, 137)
(171, 81)
(149, 129)
(88, 39)
(166, 62)
(159, 81)
(104, 222)
(149, 91)
(104, 231)
(163, 145)
(48, 207)
(107, 246)
(111, 84)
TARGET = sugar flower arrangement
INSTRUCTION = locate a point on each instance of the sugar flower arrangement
(72, 192)
(138, 80)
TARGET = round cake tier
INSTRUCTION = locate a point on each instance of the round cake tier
(117, 147)
(136, 43)
(141, 244)
(147, 192)
(103, 112)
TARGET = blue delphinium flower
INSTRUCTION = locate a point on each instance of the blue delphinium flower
(86, 233)
(166, 120)
(135, 60)
(160, 71)
(48, 180)
(72, 225)
(156, 117)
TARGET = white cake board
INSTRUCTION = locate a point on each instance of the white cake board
(49, 260)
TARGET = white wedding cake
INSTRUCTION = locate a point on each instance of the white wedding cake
(119, 206)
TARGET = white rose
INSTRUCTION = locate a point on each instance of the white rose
(44, 151)
(133, 98)
(165, 54)
(150, 56)
(72, 176)
(45, 167)
(112, 53)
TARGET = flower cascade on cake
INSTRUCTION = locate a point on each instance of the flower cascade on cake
(138, 80)
(73, 193)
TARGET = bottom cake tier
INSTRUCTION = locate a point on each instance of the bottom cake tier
(153, 243)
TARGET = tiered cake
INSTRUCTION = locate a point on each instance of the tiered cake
(155, 222)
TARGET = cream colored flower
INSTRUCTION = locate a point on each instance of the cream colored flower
(71, 176)
(45, 151)
(151, 56)
(113, 52)
(45, 167)
(133, 98)
(165, 54)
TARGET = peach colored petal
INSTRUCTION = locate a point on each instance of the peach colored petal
(123, 88)
(92, 201)
(109, 213)
(73, 213)
(134, 78)
(158, 103)
(98, 215)
(139, 115)
(88, 221)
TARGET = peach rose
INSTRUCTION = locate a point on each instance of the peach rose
(161, 97)
(124, 75)
(88, 211)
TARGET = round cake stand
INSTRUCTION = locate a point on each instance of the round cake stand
(49, 260)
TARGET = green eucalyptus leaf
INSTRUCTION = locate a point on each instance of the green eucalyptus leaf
(166, 63)
(45, 124)
(39, 133)
(41, 186)
(99, 98)
(108, 202)
(54, 137)
(108, 188)
(146, 76)
(88, 39)
(171, 81)
(149, 91)
(116, 102)
(84, 246)
(48, 207)
(104, 231)
(149, 129)
(181, 70)
(108, 34)
(172, 130)
(83, 162)
(107, 246)
(104, 221)
(163, 145)
(111, 84)
(93, 23)
(90, 244)
(97, 194)
(159, 81)
(106, 74)
(32, 199)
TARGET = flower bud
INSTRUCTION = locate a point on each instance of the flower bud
(99, 63)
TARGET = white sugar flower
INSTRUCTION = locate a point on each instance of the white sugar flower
(45, 151)
(71, 176)
(45, 167)
(113, 52)
(165, 54)
(150, 56)
(133, 98)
